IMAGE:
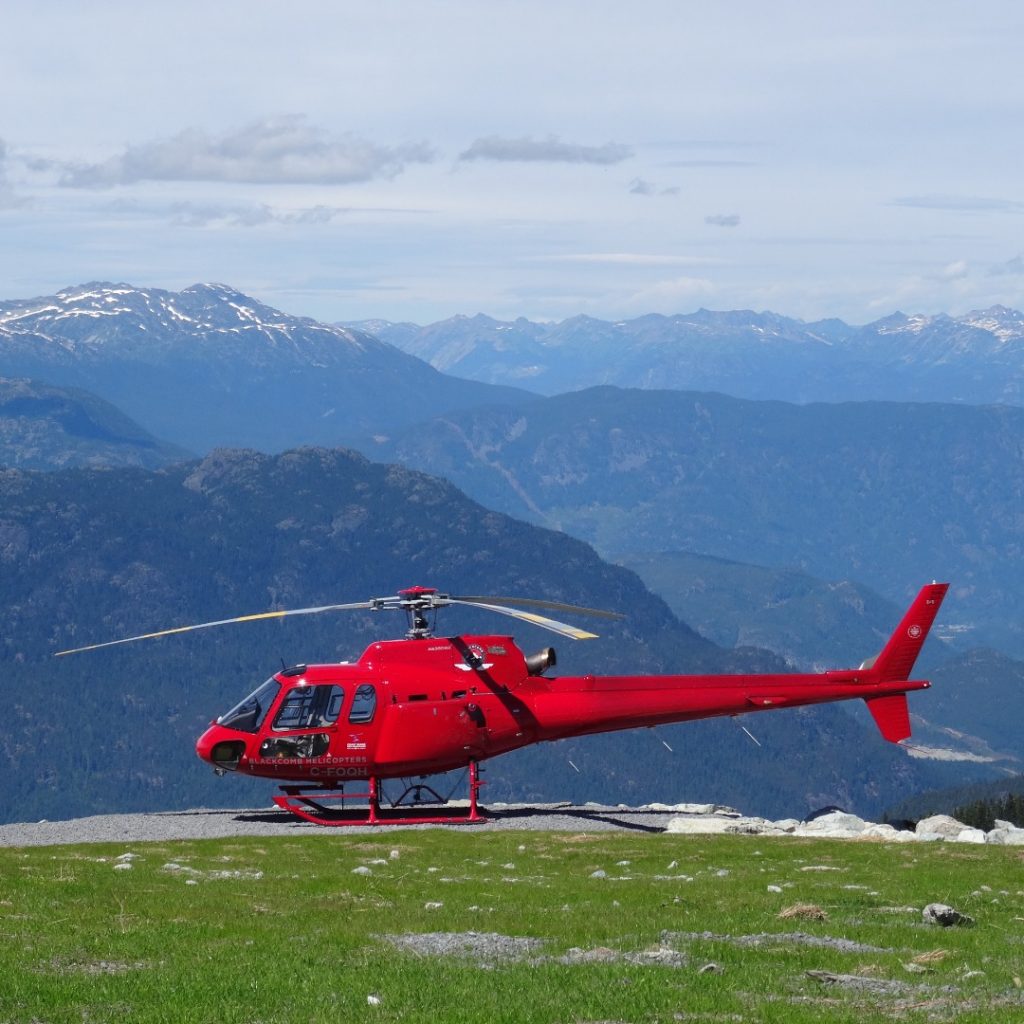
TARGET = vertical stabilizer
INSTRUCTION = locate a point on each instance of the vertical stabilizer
(896, 661)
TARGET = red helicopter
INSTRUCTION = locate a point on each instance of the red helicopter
(429, 704)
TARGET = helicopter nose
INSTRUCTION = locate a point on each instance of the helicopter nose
(204, 745)
(222, 751)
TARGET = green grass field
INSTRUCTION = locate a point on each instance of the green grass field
(285, 930)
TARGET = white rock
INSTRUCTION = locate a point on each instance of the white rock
(395, 854)
(127, 857)
(123, 866)
(598, 874)
(775, 888)
(711, 824)
(971, 835)
(753, 827)
(833, 823)
(939, 826)
(433, 905)
(372, 1000)
(877, 831)
(1006, 836)
(889, 834)
(945, 916)
(362, 870)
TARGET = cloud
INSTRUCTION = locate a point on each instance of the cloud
(723, 220)
(710, 163)
(281, 150)
(955, 271)
(960, 204)
(1014, 267)
(8, 200)
(639, 187)
(549, 150)
(209, 215)
(640, 259)
(667, 294)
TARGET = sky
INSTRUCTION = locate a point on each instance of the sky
(357, 159)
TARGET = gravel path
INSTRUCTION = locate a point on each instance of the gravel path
(219, 824)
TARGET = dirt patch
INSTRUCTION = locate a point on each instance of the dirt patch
(805, 911)
(661, 956)
(486, 948)
(775, 939)
(94, 967)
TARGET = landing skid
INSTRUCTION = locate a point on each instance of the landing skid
(327, 807)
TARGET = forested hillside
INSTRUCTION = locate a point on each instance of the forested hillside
(889, 495)
(46, 427)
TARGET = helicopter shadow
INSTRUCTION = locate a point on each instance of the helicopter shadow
(493, 815)
(582, 814)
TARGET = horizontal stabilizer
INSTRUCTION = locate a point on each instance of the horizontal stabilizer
(891, 715)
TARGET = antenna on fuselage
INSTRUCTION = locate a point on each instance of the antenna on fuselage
(747, 731)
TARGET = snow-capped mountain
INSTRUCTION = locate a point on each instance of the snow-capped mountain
(210, 366)
(976, 358)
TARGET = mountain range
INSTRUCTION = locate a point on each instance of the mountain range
(887, 494)
(975, 358)
(208, 366)
(736, 512)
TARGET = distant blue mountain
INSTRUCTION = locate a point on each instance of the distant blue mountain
(887, 494)
(46, 427)
(975, 358)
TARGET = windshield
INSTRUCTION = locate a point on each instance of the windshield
(248, 714)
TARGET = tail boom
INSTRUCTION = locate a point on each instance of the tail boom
(579, 705)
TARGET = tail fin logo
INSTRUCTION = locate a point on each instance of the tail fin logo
(914, 632)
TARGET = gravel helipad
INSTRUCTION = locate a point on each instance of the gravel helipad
(209, 823)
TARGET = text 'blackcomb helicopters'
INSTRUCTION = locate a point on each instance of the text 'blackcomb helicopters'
(430, 704)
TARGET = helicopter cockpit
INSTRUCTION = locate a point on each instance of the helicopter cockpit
(248, 714)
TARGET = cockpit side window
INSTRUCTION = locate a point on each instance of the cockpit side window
(248, 715)
(364, 704)
(309, 707)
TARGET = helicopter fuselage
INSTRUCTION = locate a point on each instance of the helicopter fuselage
(429, 705)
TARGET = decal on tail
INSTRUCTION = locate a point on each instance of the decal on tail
(898, 656)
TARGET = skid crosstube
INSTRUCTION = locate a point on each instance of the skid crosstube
(307, 803)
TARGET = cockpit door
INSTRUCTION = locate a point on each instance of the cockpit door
(360, 725)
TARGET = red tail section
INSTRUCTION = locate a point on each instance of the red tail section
(895, 663)
(898, 656)
(891, 715)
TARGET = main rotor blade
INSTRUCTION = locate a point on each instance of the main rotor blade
(221, 622)
(533, 602)
(561, 628)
